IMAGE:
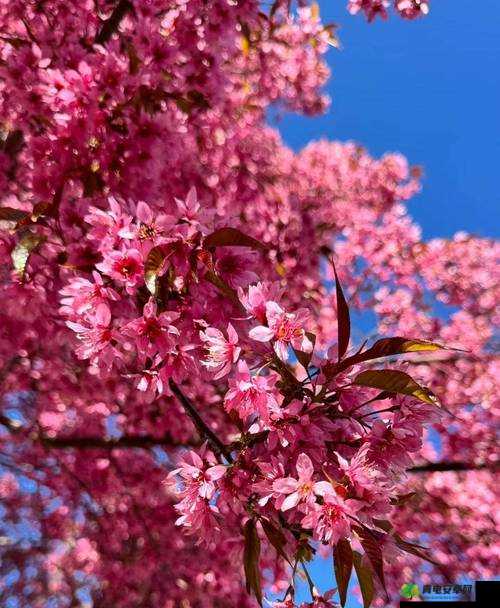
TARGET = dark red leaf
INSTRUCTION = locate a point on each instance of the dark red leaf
(372, 546)
(222, 286)
(383, 524)
(402, 498)
(232, 237)
(305, 358)
(13, 143)
(414, 549)
(342, 564)
(365, 579)
(8, 214)
(251, 557)
(343, 318)
(275, 536)
(387, 347)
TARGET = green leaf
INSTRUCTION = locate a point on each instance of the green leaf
(22, 251)
(372, 547)
(395, 381)
(343, 318)
(152, 268)
(342, 564)
(251, 555)
(232, 237)
(365, 579)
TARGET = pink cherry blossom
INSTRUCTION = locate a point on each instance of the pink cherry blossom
(198, 478)
(94, 332)
(285, 329)
(330, 521)
(221, 353)
(81, 295)
(297, 490)
(123, 266)
(153, 332)
(252, 395)
(153, 227)
(254, 299)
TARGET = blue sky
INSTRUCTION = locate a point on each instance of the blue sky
(431, 90)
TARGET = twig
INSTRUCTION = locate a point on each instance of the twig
(434, 467)
(199, 423)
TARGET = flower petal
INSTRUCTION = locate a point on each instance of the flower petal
(261, 333)
(292, 500)
(304, 467)
(285, 485)
(216, 472)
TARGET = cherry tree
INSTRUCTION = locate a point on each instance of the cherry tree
(188, 414)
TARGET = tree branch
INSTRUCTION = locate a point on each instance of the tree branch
(95, 442)
(126, 441)
(199, 423)
(434, 467)
(148, 441)
(111, 25)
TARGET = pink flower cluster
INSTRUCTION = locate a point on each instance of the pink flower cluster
(407, 9)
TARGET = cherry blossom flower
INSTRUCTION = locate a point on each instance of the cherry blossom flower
(94, 332)
(330, 520)
(371, 8)
(152, 332)
(81, 295)
(124, 130)
(221, 353)
(124, 266)
(110, 225)
(410, 9)
(249, 395)
(198, 478)
(153, 227)
(297, 490)
(286, 329)
(191, 212)
(254, 299)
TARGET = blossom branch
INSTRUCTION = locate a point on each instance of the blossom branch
(148, 441)
(96, 442)
(126, 441)
(435, 467)
(199, 423)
